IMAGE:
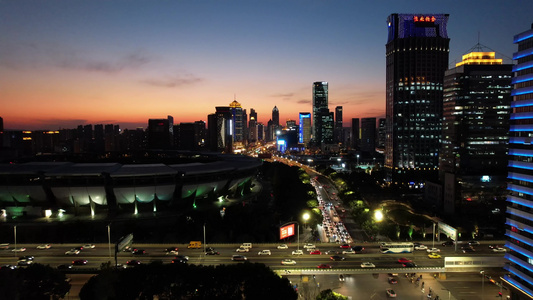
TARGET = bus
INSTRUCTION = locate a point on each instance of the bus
(397, 247)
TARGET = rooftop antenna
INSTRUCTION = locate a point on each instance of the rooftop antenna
(481, 48)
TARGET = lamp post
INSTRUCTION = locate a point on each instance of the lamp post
(15, 233)
(482, 282)
(204, 238)
(433, 234)
(109, 240)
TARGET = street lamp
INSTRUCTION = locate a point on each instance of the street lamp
(15, 233)
(109, 240)
(358, 159)
(433, 234)
(482, 282)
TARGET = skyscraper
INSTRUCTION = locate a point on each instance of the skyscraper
(416, 57)
(338, 125)
(275, 117)
(320, 102)
(381, 134)
(327, 124)
(159, 134)
(475, 134)
(355, 133)
(520, 187)
(220, 130)
(304, 135)
(368, 134)
(252, 126)
(238, 120)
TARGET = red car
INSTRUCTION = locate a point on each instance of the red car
(346, 246)
(404, 260)
(324, 266)
(315, 252)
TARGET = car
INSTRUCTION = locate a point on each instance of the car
(432, 250)
(79, 262)
(404, 260)
(72, 252)
(208, 249)
(392, 280)
(341, 278)
(172, 250)
(184, 257)
(316, 252)
(345, 246)
(179, 261)
(297, 252)
(212, 252)
(78, 248)
(324, 266)
(499, 249)
(348, 251)
(332, 252)
(473, 243)
(24, 262)
(239, 258)
(336, 257)
(391, 293)
(133, 262)
(469, 250)
(138, 252)
(19, 249)
(28, 257)
(421, 247)
(283, 246)
(288, 262)
(64, 267)
(89, 246)
(8, 267)
(448, 243)
(358, 248)
(367, 265)
(264, 252)
(494, 246)
(242, 249)
(309, 246)
(409, 265)
(45, 246)
(434, 255)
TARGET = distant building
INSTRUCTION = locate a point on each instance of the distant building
(191, 136)
(338, 138)
(320, 104)
(381, 133)
(220, 130)
(355, 133)
(1, 132)
(304, 135)
(238, 121)
(475, 134)
(368, 135)
(252, 126)
(518, 227)
(327, 124)
(159, 134)
(416, 58)
(275, 117)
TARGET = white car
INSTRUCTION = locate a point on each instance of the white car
(264, 252)
(433, 250)
(367, 265)
(72, 252)
(89, 246)
(241, 249)
(421, 247)
(288, 262)
(19, 249)
(391, 293)
(297, 252)
(348, 252)
(499, 249)
(46, 246)
(283, 246)
(309, 246)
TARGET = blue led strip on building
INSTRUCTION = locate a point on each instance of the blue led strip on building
(522, 91)
(522, 103)
(522, 177)
(524, 36)
(519, 189)
(522, 116)
(523, 66)
(521, 128)
(524, 53)
(523, 78)
(523, 203)
(520, 165)
(521, 152)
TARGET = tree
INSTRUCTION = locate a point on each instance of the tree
(34, 282)
(330, 295)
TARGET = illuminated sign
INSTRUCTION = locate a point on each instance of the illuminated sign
(286, 231)
(424, 19)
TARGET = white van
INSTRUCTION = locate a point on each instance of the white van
(246, 245)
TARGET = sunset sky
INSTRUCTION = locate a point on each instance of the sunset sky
(68, 63)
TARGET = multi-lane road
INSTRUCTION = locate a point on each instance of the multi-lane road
(56, 255)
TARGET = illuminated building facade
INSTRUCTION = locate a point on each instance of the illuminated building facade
(220, 130)
(238, 121)
(252, 126)
(320, 103)
(519, 222)
(416, 57)
(475, 134)
(338, 125)
(304, 134)
(326, 126)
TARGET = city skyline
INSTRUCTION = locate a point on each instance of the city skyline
(68, 64)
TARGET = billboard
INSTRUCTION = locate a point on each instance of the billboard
(286, 231)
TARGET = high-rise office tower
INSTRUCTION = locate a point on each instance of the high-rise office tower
(289, 124)
(159, 134)
(475, 133)
(304, 134)
(520, 186)
(327, 123)
(320, 102)
(252, 126)
(275, 117)
(338, 125)
(355, 133)
(238, 121)
(368, 135)
(260, 131)
(220, 130)
(1, 132)
(416, 57)
(381, 134)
